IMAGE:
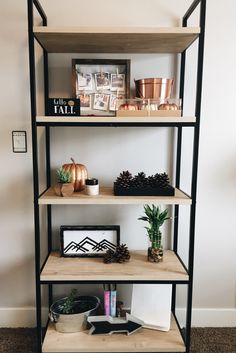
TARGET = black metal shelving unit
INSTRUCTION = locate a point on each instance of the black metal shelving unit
(35, 5)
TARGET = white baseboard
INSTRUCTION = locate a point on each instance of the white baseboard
(20, 317)
(209, 317)
(25, 317)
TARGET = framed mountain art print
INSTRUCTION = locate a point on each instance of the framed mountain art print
(88, 241)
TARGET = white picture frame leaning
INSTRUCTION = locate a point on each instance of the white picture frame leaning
(88, 241)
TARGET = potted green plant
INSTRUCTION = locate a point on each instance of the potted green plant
(64, 186)
(155, 218)
(70, 313)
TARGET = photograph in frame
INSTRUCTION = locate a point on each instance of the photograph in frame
(101, 101)
(118, 83)
(84, 82)
(85, 100)
(102, 80)
(113, 102)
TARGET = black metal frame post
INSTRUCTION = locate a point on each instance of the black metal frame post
(49, 207)
(190, 11)
(48, 158)
(30, 9)
(201, 42)
(178, 166)
(35, 171)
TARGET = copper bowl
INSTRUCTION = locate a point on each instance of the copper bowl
(154, 88)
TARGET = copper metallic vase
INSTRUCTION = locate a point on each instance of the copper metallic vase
(154, 88)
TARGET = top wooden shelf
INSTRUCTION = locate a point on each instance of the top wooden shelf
(106, 197)
(116, 39)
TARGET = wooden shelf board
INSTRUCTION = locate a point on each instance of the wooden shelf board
(106, 197)
(59, 268)
(146, 113)
(116, 39)
(105, 119)
(144, 340)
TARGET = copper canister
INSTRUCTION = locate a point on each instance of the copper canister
(154, 88)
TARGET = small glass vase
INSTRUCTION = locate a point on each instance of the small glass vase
(155, 254)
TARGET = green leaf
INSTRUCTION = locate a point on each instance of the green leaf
(156, 218)
(143, 218)
(68, 306)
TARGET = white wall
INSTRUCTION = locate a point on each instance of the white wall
(214, 290)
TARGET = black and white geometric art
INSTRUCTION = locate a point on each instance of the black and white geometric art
(85, 241)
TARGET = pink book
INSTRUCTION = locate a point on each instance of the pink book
(107, 302)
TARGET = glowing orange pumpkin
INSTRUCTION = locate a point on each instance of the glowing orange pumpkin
(168, 106)
(128, 106)
(79, 174)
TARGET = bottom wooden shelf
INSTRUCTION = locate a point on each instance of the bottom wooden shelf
(142, 341)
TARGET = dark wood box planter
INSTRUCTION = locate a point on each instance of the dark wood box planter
(147, 191)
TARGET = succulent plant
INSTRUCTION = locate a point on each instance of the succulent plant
(63, 176)
(68, 306)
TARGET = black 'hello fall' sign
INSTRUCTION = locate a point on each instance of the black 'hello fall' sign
(63, 107)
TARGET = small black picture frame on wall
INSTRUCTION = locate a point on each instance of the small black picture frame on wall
(88, 241)
(19, 141)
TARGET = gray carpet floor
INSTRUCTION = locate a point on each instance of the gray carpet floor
(204, 340)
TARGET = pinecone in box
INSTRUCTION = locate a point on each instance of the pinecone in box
(121, 254)
(162, 180)
(124, 179)
(140, 180)
(151, 181)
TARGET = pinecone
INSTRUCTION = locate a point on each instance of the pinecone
(109, 257)
(162, 180)
(136, 182)
(151, 181)
(121, 254)
(142, 175)
(140, 180)
(124, 180)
